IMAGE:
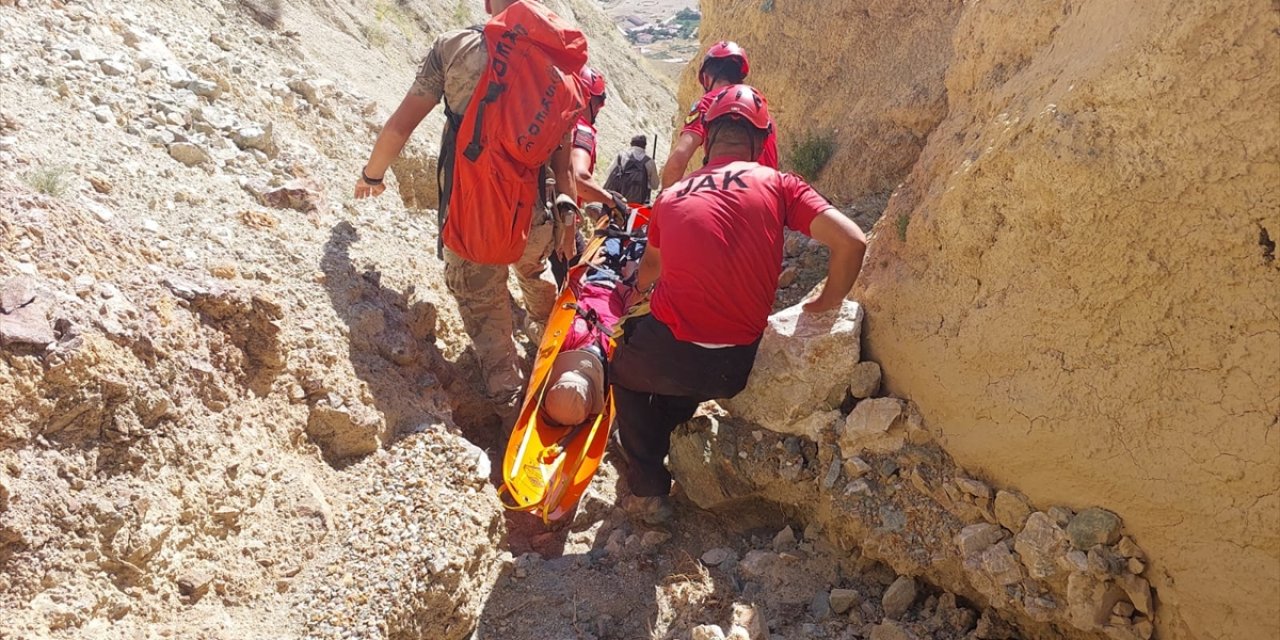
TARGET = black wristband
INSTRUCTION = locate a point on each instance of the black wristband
(369, 181)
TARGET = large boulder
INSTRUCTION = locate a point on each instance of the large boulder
(803, 358)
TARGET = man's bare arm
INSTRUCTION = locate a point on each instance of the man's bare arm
(395, 133)
(650, 268)
(848, 247)
(562, 167)
(587, 187)
(678, 161)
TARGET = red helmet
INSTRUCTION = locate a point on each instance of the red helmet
(724, 50)
(741, 102)
(591, 81)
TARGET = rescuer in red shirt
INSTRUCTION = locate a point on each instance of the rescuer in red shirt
(725, 64)
(712, 265)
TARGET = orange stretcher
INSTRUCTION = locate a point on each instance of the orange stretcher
(547, 467)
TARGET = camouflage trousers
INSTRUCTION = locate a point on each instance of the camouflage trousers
(486, 306)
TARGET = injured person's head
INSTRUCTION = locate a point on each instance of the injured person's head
(575, 388)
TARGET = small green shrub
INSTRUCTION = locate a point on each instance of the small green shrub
(767, 6)
(395, 14)
(51, 181)
(811, 154)
(903, 220)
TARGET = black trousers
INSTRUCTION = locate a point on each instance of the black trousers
(658, 382)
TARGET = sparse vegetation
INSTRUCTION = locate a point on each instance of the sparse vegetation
(51, 181)
(462, 13)
(811, 154)
(902, 222)
(375, 35)
(385, 11)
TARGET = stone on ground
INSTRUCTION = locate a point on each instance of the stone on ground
(865, 381)
(1012, 510)
(707, 632)
(802, 357)
(1094, 526)
(890, 630)
(868, 425)
(750, 618)
(718, 556)
(899, 597)
(843, 599)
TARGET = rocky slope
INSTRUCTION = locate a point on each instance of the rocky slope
(1076, 281)
(231, 396)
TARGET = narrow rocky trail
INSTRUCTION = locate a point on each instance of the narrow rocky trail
(237, 403)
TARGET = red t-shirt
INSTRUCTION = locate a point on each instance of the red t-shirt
(720, 234)
(693, 124)
(584, 137)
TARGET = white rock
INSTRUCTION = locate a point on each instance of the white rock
(750, 618)
(314, 90)
(87, 53)
(205, 88)
(801, 357)
(867, 427)
(212, 116)
(977, 537)
(254, 137)
(99, 211)
(177, 75)
(114, 68)
(706, 632)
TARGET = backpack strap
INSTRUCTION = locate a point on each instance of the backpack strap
(474, 148)
(444, 163)
(494, 90)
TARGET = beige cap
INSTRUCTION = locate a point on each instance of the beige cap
(575, 388)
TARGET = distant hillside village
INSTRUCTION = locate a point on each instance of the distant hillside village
(682, 26)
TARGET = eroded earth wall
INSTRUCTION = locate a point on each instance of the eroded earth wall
(1077, 283)
(865, 75)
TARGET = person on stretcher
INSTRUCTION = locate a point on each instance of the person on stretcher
(576, 385)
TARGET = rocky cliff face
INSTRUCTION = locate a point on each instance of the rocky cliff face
(1076, 284)
(865, 76)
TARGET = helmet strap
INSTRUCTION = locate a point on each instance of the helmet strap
(711, 142)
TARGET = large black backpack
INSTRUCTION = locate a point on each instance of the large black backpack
(631, 179)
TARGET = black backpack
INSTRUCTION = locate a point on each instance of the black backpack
(631, 179)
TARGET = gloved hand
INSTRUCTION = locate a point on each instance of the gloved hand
(619, 202)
